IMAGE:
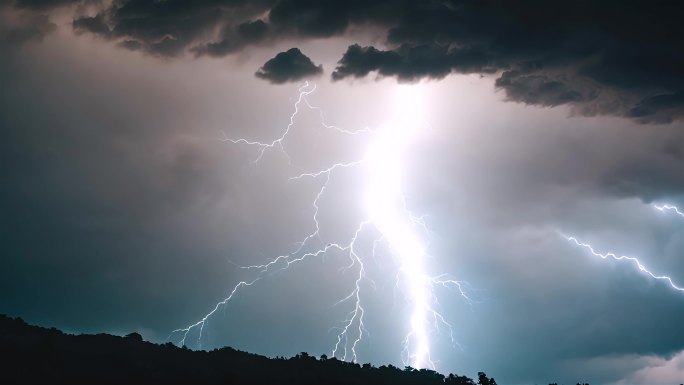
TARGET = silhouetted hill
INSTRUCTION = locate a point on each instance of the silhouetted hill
(38, 355)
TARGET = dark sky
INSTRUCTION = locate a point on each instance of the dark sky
(123, 208)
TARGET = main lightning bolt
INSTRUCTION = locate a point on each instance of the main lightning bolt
(388, 216)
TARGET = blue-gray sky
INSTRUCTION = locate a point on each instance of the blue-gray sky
(122, 209)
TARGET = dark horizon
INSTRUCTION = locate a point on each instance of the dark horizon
(50, 355)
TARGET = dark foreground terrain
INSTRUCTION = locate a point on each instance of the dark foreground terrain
(33, 354)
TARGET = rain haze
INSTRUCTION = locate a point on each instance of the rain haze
(130, 203)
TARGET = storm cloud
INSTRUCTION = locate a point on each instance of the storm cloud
(288, 66)
(607, 58)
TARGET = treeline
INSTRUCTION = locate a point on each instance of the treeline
(38, 355)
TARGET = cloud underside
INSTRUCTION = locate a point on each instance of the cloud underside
(600, 58)
(291, 65)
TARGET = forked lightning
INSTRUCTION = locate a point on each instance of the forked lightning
(387, 216)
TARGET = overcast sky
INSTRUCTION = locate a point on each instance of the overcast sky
(122, 207)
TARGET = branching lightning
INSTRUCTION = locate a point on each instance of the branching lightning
(662, 208)
(388, 217)
(634, 260)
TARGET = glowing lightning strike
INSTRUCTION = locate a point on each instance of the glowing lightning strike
(669, 207)
(385, 202)
(387, 214)
(634, 260)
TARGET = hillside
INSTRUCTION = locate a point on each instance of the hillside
(39, 355)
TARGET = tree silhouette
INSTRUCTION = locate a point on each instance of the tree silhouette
(134, 336)
(482, 379)
(458, 380)
(40, 355)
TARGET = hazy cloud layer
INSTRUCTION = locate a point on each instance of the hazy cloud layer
(32, 28)
(607, 58)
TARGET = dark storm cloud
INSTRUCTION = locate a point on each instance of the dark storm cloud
(95, 25)
(288, 66)
(600, 58)
(221, 27)
(606, 58)
(234, 39)
(541, 89)
(41, 4)
(660, 108)
(411, 62)
(169, 28)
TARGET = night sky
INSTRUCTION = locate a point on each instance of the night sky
(124, 208)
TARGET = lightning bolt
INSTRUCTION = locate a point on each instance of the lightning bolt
(389, 221)
(635, 261)
(662, 208)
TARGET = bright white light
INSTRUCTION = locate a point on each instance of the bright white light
(384, 199)
(384, 163)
